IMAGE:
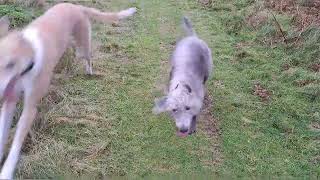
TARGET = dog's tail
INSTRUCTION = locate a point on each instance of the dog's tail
(108, 16)
(187, 25)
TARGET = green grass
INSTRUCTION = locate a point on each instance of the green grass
(274, 137)
(103, 125)
(18, 15)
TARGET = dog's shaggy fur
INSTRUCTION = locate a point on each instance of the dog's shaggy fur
(191, 66)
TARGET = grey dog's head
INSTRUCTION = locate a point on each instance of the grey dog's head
(183, 105)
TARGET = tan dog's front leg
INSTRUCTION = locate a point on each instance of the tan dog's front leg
(23, 127)
(7, 113)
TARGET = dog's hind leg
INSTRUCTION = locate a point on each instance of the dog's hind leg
(82, 35)
(7, 113)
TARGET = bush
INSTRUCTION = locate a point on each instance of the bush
(20, 13)
(17, 15)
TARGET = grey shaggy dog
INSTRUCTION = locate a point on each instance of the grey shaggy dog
(191, 66)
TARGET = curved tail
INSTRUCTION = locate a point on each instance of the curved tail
(108, 16)
(187, 25)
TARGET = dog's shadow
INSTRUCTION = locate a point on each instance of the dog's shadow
(93, 76)
(87, 76)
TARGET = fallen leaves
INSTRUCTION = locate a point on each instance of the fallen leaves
(261, 92)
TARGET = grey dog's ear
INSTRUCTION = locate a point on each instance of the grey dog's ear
(4, 26)
(160, 105)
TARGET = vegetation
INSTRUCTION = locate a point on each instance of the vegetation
(20, 13)
(265, 117)
(279, 135)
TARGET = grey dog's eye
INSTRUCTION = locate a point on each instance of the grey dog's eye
(187, 108)
(174, 110)
(10, 65)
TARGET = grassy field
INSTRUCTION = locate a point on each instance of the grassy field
(262, 113)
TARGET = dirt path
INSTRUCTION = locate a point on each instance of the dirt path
(211, 126)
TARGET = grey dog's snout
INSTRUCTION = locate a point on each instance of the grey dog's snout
(183, 129)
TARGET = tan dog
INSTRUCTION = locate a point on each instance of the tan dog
(27, 61)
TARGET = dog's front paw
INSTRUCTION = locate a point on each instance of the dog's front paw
(5, 176)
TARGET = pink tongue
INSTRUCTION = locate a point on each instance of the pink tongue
(9, 93)
(180, 134)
